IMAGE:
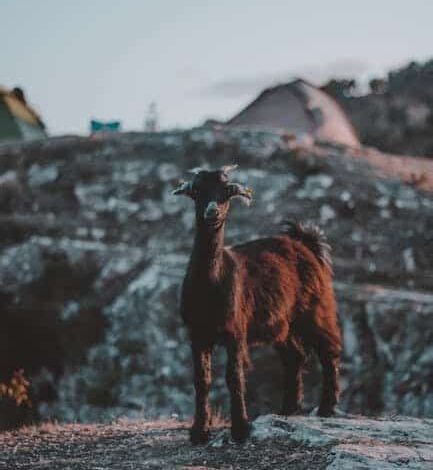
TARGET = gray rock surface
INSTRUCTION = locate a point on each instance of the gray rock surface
(93, 254)
(356, 442)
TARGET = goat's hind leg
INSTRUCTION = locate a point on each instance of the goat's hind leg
(237, 357)
(202, 380)
(293, 358)
(328, 350)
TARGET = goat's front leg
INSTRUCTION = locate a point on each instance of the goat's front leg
(202, 359)
(236, 358)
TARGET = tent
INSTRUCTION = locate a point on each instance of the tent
(301, 109)
(17, 119)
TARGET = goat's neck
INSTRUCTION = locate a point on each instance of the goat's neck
(207, 254)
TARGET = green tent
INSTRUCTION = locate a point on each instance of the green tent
(17, 119)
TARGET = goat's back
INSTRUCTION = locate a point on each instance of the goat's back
(284, 281)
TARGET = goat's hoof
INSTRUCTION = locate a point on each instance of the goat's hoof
(199, 436)
(326, 411)
(241, 431)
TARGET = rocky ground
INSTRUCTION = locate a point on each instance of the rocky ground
(276, 443)
(94, 247)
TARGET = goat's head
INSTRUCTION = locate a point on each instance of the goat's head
(211, 192)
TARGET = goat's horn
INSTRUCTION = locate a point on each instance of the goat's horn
(242, 192)
(184, 188)
(228, 168)
(196, 170)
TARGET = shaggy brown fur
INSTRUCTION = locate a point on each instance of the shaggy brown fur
(269, 291)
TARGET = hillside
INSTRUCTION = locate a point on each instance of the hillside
(94, 247)
(277, 443)
(396, 115)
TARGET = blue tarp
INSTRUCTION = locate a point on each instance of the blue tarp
(109, 126)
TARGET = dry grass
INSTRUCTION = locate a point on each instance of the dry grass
(16, 389)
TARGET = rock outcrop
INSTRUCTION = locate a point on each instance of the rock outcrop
(356, 442)
(94, 249)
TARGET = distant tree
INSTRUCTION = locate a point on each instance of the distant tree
(340, 88)
(378, 86)
(400, 78)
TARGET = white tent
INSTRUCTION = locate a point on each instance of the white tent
(301, 109)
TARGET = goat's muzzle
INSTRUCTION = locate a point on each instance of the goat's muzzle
(211, 213)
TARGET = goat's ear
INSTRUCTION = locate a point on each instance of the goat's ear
(226, 169)
(242, 192)
(184, 189)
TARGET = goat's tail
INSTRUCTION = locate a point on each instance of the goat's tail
(313, 237)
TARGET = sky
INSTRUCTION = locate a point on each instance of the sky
(197, 59)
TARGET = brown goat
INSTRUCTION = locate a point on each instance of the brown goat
(275, 290)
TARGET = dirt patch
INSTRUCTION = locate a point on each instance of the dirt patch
(147, 445)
